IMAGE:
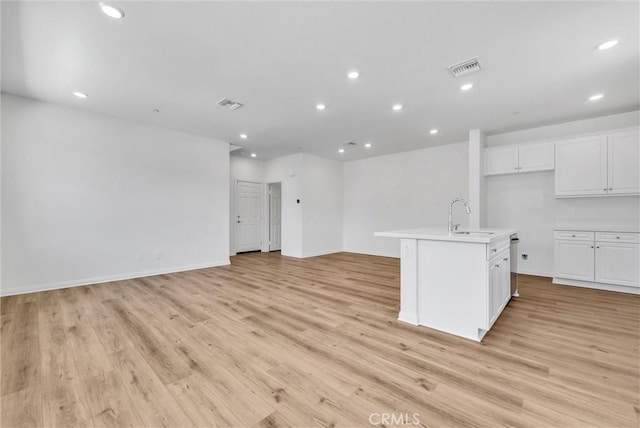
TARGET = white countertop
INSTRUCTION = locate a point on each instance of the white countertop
(599, 228)
(441, 234)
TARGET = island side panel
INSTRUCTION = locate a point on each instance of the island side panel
(408, 281)
(452, 287)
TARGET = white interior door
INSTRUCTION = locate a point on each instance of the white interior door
(275, 217)
(248, 219)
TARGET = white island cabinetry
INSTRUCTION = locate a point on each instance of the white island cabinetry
(457, 283)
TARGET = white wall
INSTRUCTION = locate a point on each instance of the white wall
(312, 226)
(321, 206)
(477, 180)
(527, 202)
(89, 198)
(404, 190)
(288, 171)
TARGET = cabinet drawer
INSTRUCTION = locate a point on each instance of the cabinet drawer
(618, 237)
(573, 235)
(496, 247)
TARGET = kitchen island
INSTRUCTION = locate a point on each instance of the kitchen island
(455, 282)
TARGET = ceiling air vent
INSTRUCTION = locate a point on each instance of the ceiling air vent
(230, 104)
(465, 67)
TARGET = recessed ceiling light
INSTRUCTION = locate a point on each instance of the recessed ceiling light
(466, 86)
(607, 45)
(341, 150)
(367, 145)
(397, 107)
(244, 136)
(80, 94)
(253, 155)
(596, 97)
(321, 106)
(433, 131)
(112, 11)
(353, 74)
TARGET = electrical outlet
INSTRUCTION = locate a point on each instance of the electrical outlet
(525, 257)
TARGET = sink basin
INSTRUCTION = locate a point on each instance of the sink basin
(473, 233)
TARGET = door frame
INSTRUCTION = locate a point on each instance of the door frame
(267, 217)
(234, 223)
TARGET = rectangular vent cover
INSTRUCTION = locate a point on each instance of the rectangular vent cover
(465, 67)
(230, 104)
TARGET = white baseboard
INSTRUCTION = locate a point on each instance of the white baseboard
(408, 318)
(596, 285)
(534, 272)
(320, 253)
(109, 278)
(372, 253)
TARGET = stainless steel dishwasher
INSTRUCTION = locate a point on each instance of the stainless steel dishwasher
(514, 265)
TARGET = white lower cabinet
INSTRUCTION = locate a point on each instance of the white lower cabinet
(499, 285)
(617, 263)
(574, 260)
(598, 258)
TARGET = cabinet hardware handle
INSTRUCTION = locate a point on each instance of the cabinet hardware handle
(617, 237)
(605, 189)
(497, 266)
(493, 250)
(597, 247)
(505, 259)
(592, 246)
(610, 188)
(573, 236)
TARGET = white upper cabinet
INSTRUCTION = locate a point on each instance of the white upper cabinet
(511, 160)
(600, 165)
(581, 166)
(623, 163)
(501, 161)
(536, 157)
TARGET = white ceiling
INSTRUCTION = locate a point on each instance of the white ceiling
(281, 59)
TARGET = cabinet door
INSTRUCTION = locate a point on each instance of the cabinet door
(624, 163)
(581, 167)
(574, 260)
(618, 263)
(494, 291)
(536, 157)
(501, 161)
(505, 280)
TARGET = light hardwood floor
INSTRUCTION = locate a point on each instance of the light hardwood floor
(273, 341)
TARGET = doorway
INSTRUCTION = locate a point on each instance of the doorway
(275, 216)
(248, 218)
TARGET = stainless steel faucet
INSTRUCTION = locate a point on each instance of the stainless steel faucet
(466, 205)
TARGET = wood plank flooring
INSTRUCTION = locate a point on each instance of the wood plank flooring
(272, 341)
